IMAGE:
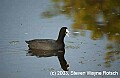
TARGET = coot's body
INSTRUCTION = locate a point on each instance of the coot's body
(45, 44)
(49, 44)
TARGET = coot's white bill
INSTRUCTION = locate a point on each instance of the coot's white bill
(67, 32)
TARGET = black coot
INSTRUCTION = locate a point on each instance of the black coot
(49, 44)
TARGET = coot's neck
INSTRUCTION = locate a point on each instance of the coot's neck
(60, 38)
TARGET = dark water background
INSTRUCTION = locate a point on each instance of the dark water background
(93, 45)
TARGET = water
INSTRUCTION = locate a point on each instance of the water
(94, 48)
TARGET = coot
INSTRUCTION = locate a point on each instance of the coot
(49, 44)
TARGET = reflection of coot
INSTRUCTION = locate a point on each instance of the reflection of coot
(49, 44)
(50, 53)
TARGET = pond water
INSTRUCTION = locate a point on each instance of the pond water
(93, 45)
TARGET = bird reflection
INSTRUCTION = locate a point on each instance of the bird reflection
(50, 53)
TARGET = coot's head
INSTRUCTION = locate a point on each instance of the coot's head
(63, 32)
